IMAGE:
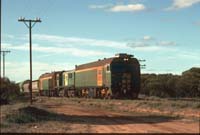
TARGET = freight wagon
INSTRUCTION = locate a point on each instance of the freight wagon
(35, 87)
(24, 87)
(116, 77)
(21, 86)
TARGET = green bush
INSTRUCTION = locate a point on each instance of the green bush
(9, 91)
(32, 114)
(168, 85)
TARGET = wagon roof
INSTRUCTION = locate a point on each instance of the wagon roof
(49, 74)
(95, 63)
(46, 75)
(67, 71)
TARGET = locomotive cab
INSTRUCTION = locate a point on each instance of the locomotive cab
(125, 76)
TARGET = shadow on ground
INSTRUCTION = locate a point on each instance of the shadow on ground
(33, 114)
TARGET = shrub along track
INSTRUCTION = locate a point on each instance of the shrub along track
(73, 116)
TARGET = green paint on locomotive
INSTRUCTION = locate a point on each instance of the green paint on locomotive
(71, 78)
(46, 84)
(86, 78)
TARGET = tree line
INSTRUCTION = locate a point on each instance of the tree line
(169, 85)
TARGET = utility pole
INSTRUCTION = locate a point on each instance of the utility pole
(4, 54)
(0, 38)
(30, 26)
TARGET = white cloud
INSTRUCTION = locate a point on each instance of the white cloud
(142, 46)
(179, 4)
(76, 41)
(56, 49)
(166, 43)
(147, 37)
(128, 8)
(137, 44)
(148, 43)
(120, 7)
(149, 48)
(71, 41)
(53, 44)
(100, 6)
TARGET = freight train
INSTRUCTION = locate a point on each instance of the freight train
(115, 77)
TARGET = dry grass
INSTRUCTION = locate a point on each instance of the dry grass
(20, 115)
(178, 108)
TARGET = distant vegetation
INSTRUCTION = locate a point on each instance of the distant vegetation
(9, 91)
(168, 85)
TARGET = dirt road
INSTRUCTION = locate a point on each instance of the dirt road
(97, 120)
(74, 117)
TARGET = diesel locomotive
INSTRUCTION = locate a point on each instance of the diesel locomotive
(115, 77)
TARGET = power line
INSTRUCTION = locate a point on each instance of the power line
(142, 60)
(29, 25)
(4, 54)
(142, 66)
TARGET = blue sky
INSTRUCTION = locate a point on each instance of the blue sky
(163, 32)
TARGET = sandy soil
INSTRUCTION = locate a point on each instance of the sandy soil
(77, 118)
(98, 120)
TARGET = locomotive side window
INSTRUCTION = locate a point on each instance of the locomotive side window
(70, 75)
(108, 68)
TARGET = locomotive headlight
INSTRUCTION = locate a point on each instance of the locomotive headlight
(125, 59)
